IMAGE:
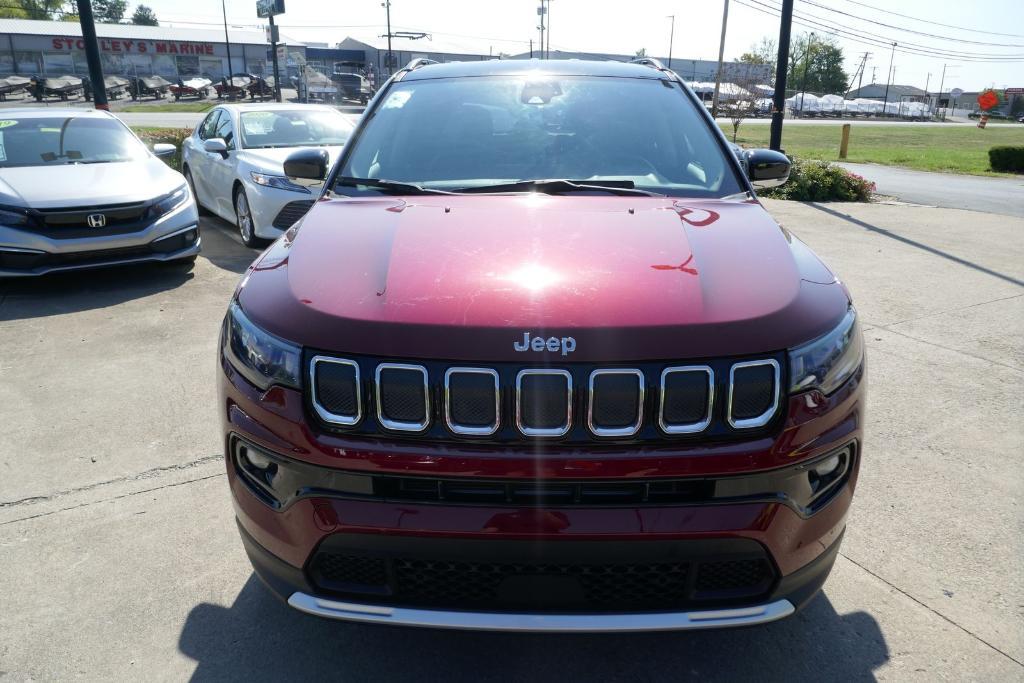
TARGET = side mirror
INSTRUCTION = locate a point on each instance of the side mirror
(162, 149)
(216, 146)
(307, 167)
(766, 167)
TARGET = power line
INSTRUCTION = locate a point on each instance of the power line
(877, 41)
(936, 23)
(942, 51)
(910, 30)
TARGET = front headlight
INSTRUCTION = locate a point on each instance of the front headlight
(277, 181)
(169, 203)
(13, 216)
(828, 361)
(259, 356)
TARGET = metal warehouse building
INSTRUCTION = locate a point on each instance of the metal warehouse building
(55, 48)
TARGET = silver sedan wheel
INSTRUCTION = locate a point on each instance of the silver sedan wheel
(244, 216)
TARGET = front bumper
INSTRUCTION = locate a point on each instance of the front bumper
(275, 210)
(174, 236)
(342, 514)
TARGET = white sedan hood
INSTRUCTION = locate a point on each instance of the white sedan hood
(67, 185)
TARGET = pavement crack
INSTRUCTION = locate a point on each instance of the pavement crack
(952, 310)
(934, 611)
(147, 474)
(949, 348)
(113, 498)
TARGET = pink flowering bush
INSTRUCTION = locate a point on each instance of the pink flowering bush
(820, 181)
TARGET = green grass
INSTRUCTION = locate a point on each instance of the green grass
(950, 149)
(171, 106)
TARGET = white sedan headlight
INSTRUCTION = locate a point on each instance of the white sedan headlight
(279, 182)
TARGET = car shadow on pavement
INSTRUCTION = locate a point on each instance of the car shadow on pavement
(71, 292)
(223, 247)
(913, 243)
(261, 638)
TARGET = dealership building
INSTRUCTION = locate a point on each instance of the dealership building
(55, 48)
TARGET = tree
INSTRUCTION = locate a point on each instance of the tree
(32, 9)
(144, 16)
(108, 11)
(816, 65)
(641, 53)
(763, 52)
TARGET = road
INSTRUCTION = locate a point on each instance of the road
(189, 119)
(978, 193)
(120, 558)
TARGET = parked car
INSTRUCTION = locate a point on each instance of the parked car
(79, 190)
(233, 161)
(538, 359)
(353, 86)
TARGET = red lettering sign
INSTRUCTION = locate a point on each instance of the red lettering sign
(140, 46)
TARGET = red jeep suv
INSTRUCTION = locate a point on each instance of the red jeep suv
(538, 359)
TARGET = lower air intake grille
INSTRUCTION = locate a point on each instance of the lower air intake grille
(538, 586)
(291, 212)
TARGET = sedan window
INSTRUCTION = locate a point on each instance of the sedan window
(296, 128)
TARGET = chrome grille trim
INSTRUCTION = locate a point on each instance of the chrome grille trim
(686, 428)
(466, 429)
(326, 415)
(765, 417)
(394, 424)
(552, 432)
(616, 431)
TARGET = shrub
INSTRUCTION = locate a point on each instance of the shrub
(172, 136)
(820, 181)
(1007, 158)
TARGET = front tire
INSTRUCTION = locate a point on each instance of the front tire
(244, 220)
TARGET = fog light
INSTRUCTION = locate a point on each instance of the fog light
(191, 236)
(256, 459)
(827, 466)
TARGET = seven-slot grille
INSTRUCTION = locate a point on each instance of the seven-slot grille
(506, 402)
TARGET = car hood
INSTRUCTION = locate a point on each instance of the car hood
(468, 276)
(46, 187)
(272, 160)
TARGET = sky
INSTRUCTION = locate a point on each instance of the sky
(961, 33)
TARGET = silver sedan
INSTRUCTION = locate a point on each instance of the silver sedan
(234, 162)
(79, 190)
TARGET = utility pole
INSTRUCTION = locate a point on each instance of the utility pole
(92, 55)
(889, 79)
(938, 102)
(531, 48)
(807, 64)
(926, 82)
(874, 70)
(781, 66)
(547, 50)
(721, 56)
(541, 11)
(387, 10)
(671, 36)
(860, 72)
(227, 46)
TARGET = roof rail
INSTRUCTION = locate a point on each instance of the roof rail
(651, 62)
(412, 66)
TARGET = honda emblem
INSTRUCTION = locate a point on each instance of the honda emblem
(96, 220)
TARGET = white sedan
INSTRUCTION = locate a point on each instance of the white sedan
(234, 163)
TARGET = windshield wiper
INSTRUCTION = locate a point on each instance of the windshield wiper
(388, 185)
(560, 185)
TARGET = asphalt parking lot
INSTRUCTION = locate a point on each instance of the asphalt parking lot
(120, 557)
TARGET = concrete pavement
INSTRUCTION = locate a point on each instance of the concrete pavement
(949, 190)
(120, 557)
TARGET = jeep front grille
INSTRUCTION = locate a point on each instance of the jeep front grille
(506, 402)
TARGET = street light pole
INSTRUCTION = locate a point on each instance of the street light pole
(671, 36)
(227, 46)
(721, 56)
(888, 79)
(547, 51)
(92, 55)
(387, 9)
(781, 66)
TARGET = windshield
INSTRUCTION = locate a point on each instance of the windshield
(57, 140)
(298, 128)
(458, 134)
